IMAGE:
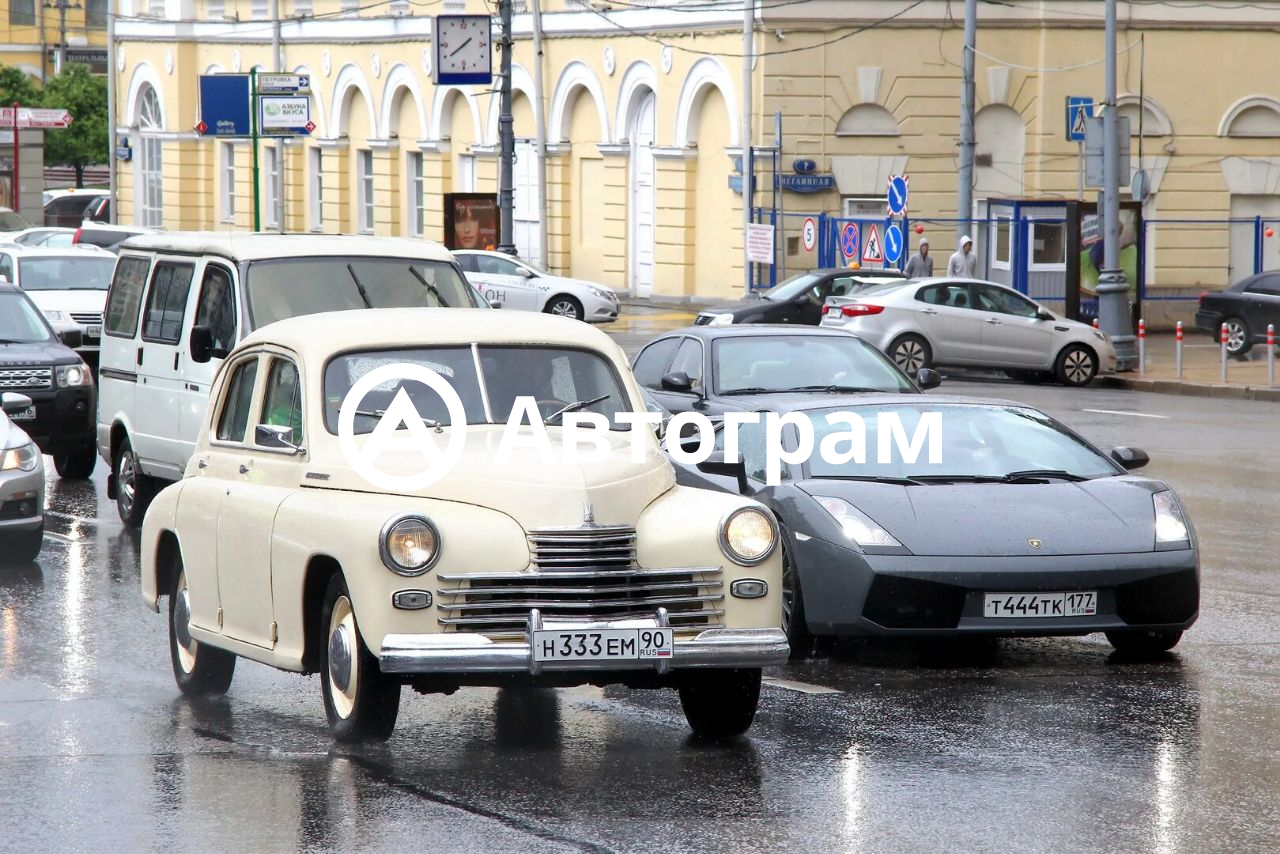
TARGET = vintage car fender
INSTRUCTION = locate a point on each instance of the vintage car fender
(161, 518)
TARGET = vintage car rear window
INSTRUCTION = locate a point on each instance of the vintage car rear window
(554, 377)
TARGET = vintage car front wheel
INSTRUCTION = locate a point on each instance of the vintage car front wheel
(360, 701)
(197, 668)
(720, 703)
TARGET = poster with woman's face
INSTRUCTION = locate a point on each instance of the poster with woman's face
(471, 220)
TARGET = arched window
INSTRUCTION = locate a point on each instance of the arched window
(1155, 121)
(1252, 117)
(867, 120)
(150, 193)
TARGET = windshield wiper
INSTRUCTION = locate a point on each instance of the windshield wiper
(840, 388)
(364, 295)
(378, 413)
(1040, 474)
(751, 390)
(430, 287)
(958, 478)
(575, 406)
(870, 478)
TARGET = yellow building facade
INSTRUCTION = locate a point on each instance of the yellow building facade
(642, 107)
(31, 33)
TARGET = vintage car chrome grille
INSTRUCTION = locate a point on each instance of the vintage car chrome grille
(595, 547)
(87, 318)
(26, 378)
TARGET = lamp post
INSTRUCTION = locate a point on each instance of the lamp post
(1113, 287)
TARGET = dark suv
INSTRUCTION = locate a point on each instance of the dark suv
(34, 362)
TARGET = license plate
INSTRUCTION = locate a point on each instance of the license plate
(601, 644)
(93, 331)
(1007, 605)
(27, 414)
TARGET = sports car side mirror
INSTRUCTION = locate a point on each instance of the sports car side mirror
(1130, 458)
(12, 403)
(928, 378)
(716, 464)
(677, 381)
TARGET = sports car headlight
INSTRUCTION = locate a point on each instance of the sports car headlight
(409, 545)
(1171, 525)
(856, 525)
(22, 458)
(70, 376)
(725, 319)
(747, 536)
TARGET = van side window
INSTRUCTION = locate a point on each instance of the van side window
(126, 296)
(167, 302)
(217, 308)
(234, 419)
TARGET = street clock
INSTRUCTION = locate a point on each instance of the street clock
(463, 50)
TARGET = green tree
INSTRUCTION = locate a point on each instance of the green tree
(15, 85)
(84, 95)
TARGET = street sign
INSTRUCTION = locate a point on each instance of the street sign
(284, 115)
(1079, 109)
(892, 243)
(1094, 147)
(871, 252)
(283, 84)
(760, 243)
(849, 241)
(809, 234)
(897, 194)
(224, 105)
(31, 117)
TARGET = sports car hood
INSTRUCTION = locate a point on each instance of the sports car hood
(533, 491)
(1102, 516)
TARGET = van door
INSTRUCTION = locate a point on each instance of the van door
(160, 382)
(214, 309)
(118, 359)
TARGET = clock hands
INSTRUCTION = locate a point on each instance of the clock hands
(460, 47)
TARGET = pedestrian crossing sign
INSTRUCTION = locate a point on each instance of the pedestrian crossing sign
(871, 252)
(1079, 109)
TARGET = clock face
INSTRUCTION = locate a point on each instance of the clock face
(462, 44)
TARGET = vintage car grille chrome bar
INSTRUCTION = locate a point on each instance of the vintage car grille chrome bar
(602, 546)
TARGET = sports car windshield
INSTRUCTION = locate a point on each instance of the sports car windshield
(760, 364)
(975, 442)
(556, 378)
(69, 273)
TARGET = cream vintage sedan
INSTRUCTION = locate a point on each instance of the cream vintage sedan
(278, 546)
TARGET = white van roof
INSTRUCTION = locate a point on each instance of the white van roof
(256, 247)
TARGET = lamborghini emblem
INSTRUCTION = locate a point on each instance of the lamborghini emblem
(1034, 543)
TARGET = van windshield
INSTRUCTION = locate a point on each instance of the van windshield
(291, 287)
(66, 273)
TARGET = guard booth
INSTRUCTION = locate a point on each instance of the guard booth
(1051, 250)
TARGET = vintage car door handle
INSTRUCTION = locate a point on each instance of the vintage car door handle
(244, 469)
(204, 464)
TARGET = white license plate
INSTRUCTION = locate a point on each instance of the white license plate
(598, 644)
(27, 414)
(1013, 605)
(93, 331)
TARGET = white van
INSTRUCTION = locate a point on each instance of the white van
(179, 302)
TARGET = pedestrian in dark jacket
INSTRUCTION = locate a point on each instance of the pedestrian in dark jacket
(920, 266)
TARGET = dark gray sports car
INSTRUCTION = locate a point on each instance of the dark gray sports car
(1019, 528)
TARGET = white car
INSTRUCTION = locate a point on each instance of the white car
(68, 285)
(50, 236)
(518, 284)
(920, 323)
(21, 484)
(280, 546)
(11, 223)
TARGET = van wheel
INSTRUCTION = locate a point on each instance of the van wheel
(720, 703)
(77, 464)
(134, 490)
(197, 668)
(360, 701)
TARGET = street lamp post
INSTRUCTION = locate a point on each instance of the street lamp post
(1113, 288)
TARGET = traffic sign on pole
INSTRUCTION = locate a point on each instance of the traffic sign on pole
(224, 105)
(892, 243)
(284, 115)
(32, 117)
(849, 241)
(871, 252)
(284, 84)
(897, 194)
(1079, 108)
(809, 234)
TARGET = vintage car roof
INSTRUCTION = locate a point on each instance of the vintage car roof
(255, 247)
(376, 328)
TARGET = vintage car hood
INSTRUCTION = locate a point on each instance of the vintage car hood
(535, 492)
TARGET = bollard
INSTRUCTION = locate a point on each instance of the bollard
(1142, 348)
(1177, 352)
(1096, 325)
(1222, 336)
(1271, 354)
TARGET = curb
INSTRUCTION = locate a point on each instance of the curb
(1210, 390)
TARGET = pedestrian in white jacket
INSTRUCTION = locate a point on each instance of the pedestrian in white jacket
(963, 264)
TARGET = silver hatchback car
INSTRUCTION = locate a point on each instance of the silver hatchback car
(21, 485)
(920, 323)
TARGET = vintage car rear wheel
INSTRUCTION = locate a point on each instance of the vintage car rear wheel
(197, 668)
(360, 701)
(721, 703)
(1144, 642)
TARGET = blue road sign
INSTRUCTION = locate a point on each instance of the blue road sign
(892, 243)
(224, 105)
(849, 241)
(897, 194)
(1079, 108)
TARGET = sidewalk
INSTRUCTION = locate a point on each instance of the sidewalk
(1201, 371)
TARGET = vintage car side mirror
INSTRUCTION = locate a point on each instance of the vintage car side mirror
(73, 338)
(928, 378)
(201, 344)
(1130, 458)
(677, 381)
(716, 464)
(274, 436)
(12, 403)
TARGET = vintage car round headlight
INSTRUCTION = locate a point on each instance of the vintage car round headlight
(748, 535)
(409, 545)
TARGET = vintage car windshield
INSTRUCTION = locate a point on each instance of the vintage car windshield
(291, 287)
(555, 377)
(20, 321)
(68, 273)
(786, 362)
(976, 441)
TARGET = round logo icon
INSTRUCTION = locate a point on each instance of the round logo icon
(402, 411)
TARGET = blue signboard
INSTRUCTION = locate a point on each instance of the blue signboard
(892, 243)
(897, 194)
(850, 241)
(807, 183)
(224, 105)
(1078, 110)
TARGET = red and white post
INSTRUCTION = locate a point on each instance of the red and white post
(1222, 338)
(1271, 354)
(1177, 350)
(1142, 347)
(1096, 324)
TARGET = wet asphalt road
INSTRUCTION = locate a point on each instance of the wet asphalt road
(1049, 745)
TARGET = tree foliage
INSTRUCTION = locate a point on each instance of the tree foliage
(83, 94)
(15, 85)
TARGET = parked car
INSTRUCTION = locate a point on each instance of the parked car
(1247, 307)
(921, 323)
(68, 285)
(180, 301)
(799, 299)
(35, 363)
(715, 369)
(107, 236)
(53, 238)
(519, 285)
(72, 208)
(274, 548)
(11, 223)
(21, 482)
(1022, 528)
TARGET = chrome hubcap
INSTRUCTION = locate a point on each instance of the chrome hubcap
(125, 478)
(1078, 366)
(564, 309)
(343, 667)
(182, 628)
(1235, 335)
(909, 356)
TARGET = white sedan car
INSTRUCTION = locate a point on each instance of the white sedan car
(920, 323)
(518, 284)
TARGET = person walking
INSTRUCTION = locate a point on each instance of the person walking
(963, 264)
(921, 265)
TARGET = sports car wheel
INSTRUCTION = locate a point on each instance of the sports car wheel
(793, 617)
(1144, 642)
(720, 703)
(565, 306)
(197, 668)
(911, 353)
(360, 701)
(1077, 365)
